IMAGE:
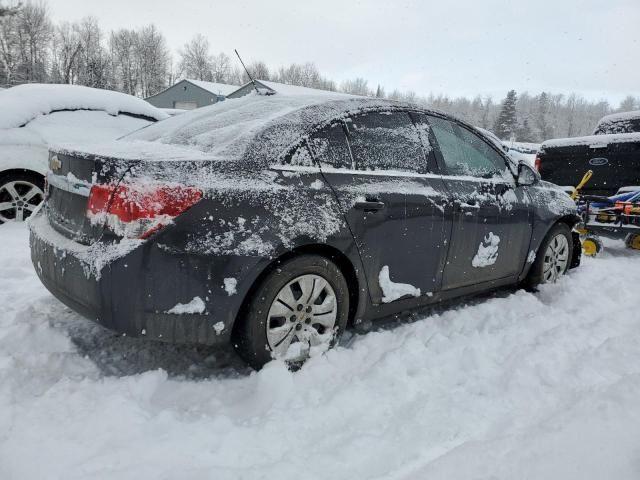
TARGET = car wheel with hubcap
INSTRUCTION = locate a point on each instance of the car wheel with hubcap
(301, 307)
(554, 257)
(20, 195)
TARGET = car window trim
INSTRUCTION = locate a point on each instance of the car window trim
(381, 173)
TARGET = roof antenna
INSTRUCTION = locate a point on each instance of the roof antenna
(248, 74)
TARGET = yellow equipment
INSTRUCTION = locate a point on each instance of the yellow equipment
(587, 176)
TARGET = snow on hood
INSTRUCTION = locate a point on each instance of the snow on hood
(23, 103)
(592, 140)
(72, 126)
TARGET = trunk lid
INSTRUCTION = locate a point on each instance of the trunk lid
(69, 182)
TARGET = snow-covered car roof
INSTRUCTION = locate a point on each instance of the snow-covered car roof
(254, 128)
(620, 117)
(624, 122)
(23, 103)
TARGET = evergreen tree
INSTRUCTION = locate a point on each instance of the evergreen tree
(507, 122)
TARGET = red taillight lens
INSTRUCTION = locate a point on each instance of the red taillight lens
(139, 210)
(538, 162)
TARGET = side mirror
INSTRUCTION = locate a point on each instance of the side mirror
(527, 176)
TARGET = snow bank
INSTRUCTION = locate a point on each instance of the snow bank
(23, 103)
(544, 386)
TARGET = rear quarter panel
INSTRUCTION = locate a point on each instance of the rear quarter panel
(243, 225)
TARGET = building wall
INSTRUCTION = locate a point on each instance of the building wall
(183, 91)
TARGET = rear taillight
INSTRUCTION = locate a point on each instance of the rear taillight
(137, 211)
(538, 162)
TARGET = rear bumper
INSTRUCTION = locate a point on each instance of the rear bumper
(130, 288)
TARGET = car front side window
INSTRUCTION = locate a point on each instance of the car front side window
(465, 153)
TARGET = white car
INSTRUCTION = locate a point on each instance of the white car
(34, 116)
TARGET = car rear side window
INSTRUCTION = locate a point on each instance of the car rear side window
(386, 141)
(330, 147)
(464, 152)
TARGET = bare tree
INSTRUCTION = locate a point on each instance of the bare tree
(124, 62)
(222, 70)
(259, 70)
(9, 45)
(153, 61)
(196, 61)
(65, 50)
(28, 34)
(357, 86)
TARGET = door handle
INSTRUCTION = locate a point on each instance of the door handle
(369, 205)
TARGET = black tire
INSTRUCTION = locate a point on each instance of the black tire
(25, 177)
(250, 331)
(535, 276)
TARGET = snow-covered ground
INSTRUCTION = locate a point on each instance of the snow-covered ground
(518, 385)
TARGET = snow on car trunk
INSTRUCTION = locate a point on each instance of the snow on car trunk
(539, 385)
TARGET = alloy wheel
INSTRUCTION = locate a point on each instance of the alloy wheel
(18, 200)
(556, 259)
(302, 316)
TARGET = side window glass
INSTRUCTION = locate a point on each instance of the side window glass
(386, 141)
(301, 157)
(465, 153)
(330, 147)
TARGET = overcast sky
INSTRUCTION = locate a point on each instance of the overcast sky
(455, 47)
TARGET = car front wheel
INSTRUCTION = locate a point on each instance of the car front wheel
(553, 258)
(20, 195)
(301, 307)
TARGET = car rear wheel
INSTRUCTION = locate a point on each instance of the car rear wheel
(554, 257)
(301, 307)
(20, 195)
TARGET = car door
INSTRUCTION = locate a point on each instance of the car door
(491, 216)
(379, 170)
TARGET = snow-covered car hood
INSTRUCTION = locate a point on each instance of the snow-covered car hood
(71, 126)
(23, 103)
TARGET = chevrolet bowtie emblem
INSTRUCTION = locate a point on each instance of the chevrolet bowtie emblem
(55, 164)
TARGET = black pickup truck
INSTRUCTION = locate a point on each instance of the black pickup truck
(612, 152)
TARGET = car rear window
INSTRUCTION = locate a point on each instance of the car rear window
(330, 147)
(386, 141)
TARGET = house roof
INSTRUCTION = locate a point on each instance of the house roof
(213, 87)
